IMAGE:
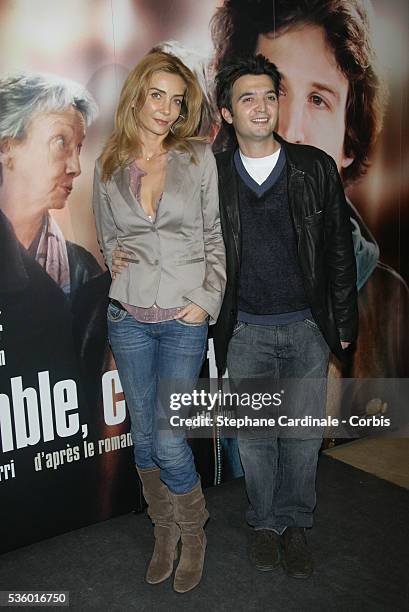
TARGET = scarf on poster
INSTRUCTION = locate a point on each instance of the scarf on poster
(52, 255)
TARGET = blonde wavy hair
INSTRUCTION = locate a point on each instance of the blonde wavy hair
(124, 142)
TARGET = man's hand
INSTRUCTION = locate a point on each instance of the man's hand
(345, 344)
(192, 313)
(119, 261)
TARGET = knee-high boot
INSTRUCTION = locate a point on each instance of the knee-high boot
(167, 532)
(190, 515)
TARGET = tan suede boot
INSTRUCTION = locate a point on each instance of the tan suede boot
(167, 533)
(191, 515)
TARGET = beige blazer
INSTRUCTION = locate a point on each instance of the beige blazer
(180, 258)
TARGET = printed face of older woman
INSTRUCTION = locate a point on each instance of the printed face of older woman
(163, 103)
(46, 162)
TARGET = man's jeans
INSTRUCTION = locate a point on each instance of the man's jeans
(280, 471)
(145, 354)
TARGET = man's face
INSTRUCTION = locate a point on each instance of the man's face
(46, 162)
(254, 108)
(314, 91)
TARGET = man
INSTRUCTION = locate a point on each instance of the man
(332, 98)
(290, 296)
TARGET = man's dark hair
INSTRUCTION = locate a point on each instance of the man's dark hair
(237, 25)
(231, 71)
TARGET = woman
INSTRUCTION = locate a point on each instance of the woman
(155, 194)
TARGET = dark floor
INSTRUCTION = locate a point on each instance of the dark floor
(360, 543)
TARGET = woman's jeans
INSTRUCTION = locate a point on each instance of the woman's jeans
(145, 354)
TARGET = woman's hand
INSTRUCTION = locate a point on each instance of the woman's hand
(119, 261)
(192, 313)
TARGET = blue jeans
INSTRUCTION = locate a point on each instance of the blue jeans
(145, 354)
(279, 471)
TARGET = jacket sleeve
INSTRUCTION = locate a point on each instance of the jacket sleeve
(341, 258)
(104, 222)
(209, 295)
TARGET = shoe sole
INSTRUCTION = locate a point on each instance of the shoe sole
(298, 576)
(266, 568)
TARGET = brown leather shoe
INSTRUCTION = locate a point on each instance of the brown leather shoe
(296, 556)
(191, 516)
(265, 549)
(167, 533)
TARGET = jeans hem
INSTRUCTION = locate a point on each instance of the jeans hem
(278, 530)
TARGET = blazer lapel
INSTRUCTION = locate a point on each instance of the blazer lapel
(295, 188)
(122, 181)
(176, 168)
(228, 192)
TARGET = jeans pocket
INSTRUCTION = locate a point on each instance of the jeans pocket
(188, 324)
(311, 323)
(238, 327)
(115, 314)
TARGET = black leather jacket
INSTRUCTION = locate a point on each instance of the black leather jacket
(322, 227)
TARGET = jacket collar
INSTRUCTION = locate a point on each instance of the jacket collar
(290, 153)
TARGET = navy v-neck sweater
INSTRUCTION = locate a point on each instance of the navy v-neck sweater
(270, 275)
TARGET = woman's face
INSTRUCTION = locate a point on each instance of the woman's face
(46, 162)
(163, 103)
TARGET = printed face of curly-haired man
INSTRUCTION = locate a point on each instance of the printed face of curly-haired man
(313, 89)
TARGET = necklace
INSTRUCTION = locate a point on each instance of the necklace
(154, 155)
